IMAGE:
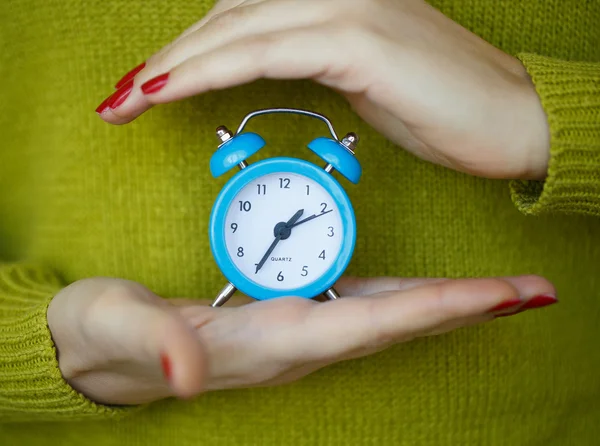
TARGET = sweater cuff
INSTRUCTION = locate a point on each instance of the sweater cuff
(570, 95)
(31, 384)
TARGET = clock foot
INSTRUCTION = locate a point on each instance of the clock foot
(331, 294)
(224, 295)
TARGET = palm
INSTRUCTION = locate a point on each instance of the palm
(281, 340)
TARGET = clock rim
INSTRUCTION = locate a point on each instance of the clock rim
(253, 172)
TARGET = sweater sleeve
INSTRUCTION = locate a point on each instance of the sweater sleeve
(31, 385)
(570, 96)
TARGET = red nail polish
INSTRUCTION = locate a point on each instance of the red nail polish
(165, 363)
(130, 75)
(155, 84)
(103, 106)
(120, 95)
(506, 305)
(543, 300)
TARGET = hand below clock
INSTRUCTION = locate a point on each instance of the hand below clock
(281, 232)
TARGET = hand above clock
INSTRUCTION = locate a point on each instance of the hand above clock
(119, 343)
(402, 65)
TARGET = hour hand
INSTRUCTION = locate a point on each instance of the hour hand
(294, 219)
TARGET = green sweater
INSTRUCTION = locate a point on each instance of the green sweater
(82, 198)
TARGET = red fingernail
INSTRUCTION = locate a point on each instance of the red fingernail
(155, 84)
(165, 362)
(543, 300)
(103, 106)
(506, 305)
(130, 75)
(120, 95)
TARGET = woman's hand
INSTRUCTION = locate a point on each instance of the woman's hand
(119, 343)
(419, 78)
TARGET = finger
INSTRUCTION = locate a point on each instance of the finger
(302, 370)
(130, 82)
(456, 324)
(352, 325)
(528, 285)
(298, 54)
(183, 358)
(219, 8)
(249, 19)
(311, 52)
(235, 301)
(359, 286)
(215, 31)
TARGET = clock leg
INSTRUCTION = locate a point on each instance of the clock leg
(331, 294)
(224, 295)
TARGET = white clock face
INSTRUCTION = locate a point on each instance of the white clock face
(304, 250)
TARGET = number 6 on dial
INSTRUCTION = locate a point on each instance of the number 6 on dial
(282, 226)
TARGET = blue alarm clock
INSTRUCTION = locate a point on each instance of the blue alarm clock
(282, 226)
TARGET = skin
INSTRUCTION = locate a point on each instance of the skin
(111, 333)
(416, 76)
(422, 80)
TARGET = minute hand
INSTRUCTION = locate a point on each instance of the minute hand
(260, 264)
(312, 217)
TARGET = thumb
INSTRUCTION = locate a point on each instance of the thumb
(183, 358)
(129, 345)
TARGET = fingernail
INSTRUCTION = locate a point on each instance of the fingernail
(165, 363)
(155, 84)
(120, 95)
(506, 305)
(130, 75)
(103, 106)
(543, 300)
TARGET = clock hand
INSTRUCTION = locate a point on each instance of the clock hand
(311, 218)
(260, 264)
(294, 219)
(282, 232)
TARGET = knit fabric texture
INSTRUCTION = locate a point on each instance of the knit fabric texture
(570, 95)
(81, 198)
